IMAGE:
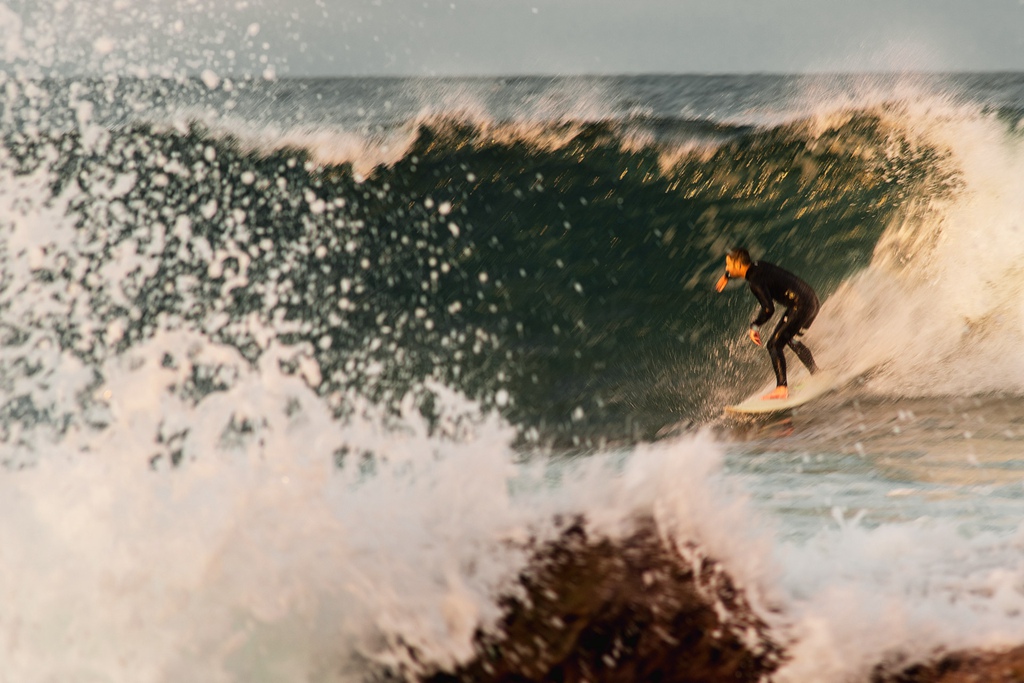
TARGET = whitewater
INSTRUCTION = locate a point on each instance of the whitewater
(294, 373)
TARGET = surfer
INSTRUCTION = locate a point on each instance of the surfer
(770, 283)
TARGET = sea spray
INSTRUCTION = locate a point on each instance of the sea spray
(253, 357)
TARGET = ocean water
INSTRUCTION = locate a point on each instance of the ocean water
(289, 368)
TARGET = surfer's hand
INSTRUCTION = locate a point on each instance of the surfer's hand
(722, 282)
(755, 335)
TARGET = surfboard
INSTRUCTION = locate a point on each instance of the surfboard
(808, 389)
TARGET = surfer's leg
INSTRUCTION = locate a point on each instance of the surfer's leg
(801, 321)
(803, 353)
(792, 324)
(776, 344)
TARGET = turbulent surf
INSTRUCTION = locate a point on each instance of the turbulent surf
(300, 376)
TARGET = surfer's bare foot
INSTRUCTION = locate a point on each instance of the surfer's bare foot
(777, 392)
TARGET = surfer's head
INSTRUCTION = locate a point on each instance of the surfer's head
(737, 261)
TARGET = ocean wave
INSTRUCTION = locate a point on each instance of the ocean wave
(560, 273)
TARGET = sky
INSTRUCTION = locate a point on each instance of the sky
(670, 36)
(502, 37)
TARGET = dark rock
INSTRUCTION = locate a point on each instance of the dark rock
(961, 667)
(640, 609)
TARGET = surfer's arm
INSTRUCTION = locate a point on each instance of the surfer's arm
(755, 334)
(767, 309)
(767, 306)
(722, 282)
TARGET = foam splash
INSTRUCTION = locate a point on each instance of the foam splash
(936, 311)
(216, 537)
(247, 533)
(860, 597)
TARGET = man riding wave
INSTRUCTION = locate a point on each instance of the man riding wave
(769, 284)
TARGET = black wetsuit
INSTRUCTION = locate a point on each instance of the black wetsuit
(769, 283)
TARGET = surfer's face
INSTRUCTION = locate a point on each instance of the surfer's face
(733, 267)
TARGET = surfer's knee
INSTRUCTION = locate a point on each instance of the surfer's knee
(776, 344)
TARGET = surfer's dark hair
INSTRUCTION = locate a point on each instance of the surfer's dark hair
(741, 255)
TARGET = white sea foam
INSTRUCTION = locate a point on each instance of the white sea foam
(858, 597)
(257, 558)
(152, 529)
(937, 312)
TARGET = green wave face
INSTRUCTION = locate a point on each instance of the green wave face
(600, 263)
